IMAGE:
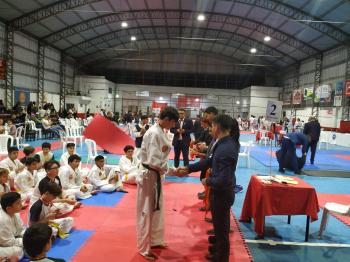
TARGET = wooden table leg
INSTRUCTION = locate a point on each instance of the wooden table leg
(289, 219)
(307, 228)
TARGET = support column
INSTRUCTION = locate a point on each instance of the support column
(9, 65)
(62, 83)
(41, 72)
(295, 86)
(318, 70)
(346, 100)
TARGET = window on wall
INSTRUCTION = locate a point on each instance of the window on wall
(110, 90)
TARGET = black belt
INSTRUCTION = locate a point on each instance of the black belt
(158, 184)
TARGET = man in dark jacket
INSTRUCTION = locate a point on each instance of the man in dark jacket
(182, 138)
(313, 129)
(288, 147)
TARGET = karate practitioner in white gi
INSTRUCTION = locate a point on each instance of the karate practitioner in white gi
(154, 161)
(129, 165)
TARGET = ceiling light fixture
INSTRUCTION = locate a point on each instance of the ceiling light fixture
(160, 98)
(133, 38)
(237, 102)
(201, 17)
(117, 96)
(253, 50)
(197, 99)
(124, 24)
(267, 38)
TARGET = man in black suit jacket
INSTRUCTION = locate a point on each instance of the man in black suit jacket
(182, 139)
(313, 129)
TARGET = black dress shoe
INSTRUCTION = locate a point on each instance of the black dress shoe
(212, 239)
(211, 249)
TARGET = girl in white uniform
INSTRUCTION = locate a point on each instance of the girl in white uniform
(154, 160)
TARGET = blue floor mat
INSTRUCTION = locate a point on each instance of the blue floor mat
(324, 160)
(67, 248)
(182, 179)
(104, 199)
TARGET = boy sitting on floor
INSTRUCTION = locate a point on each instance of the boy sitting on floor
(72, 181)
(28, 152)
(12, 164)
(129, 165)
(45, 154)
(45, 211)
(11, 226)
(4, 179)
(70, 151)
(65, 203)
(37, 241)
(24, 182)
(100, 180)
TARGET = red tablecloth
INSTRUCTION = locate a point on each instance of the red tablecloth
(278, 199)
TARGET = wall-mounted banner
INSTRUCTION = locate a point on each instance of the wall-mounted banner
(142, 93)
(337, 100)
(339, 88)
(21, 96)
(308, 93)
(188, 101)
(324, 93)
(347, 87)
(158, 106)
(296, 98)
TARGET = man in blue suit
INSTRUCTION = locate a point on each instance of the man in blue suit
(288, 147)
(182, 138)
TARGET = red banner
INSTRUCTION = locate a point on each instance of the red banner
(160, 105)
(2, 69)
(188, 101)
(347, 87)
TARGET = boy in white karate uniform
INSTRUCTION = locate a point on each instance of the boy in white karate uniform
(129, 165)
(155, 150)
(70, 151)
(72, 181)
(45, 211)
(12, 164)
(65, 203)
(45, 154)
(106, 179)
(4, 179)
(24, 182)
(11, 226)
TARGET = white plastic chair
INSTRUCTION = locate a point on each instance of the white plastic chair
(334, 208)
(246, 151)
(74, 135)
(3, 144)
(19, 136)
(34, 128)
(91, 150)
(263, 137)
(324, 139)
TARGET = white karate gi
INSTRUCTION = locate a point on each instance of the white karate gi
(150, 223)
(64, 159)
(64, 207)
(24, 184)
(43, 158)
(72, 182)
(129, 169)
(99, 179)
(12, 166)
(11, 232)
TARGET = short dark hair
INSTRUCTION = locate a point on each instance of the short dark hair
(8, 199)
(49, 164)
(99, 157)
(144, 117)
(228, 123)
(70, 145)
(211, 110)
(37, 158)
(170, 113)
(12, 149)
(46, 145)
(28, 150)
(35, 238)
(49, 187)
(31, 160)
(128, 147)
(73, 157)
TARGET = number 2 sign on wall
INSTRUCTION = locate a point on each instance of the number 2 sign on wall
(273, 110)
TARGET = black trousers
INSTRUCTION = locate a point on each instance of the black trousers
(220, 206)
(184, 148)
(313, 146)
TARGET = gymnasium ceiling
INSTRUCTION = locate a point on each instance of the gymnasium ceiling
(91, 30)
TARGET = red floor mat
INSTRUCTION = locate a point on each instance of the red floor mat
(115, 236)
(345, 157)
(340, 199)
(107, 135)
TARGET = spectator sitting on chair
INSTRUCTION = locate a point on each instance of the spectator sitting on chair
(11, 128)
(47, 125)
(37, 241)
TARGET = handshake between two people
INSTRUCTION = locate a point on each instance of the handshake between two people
(181, 171)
